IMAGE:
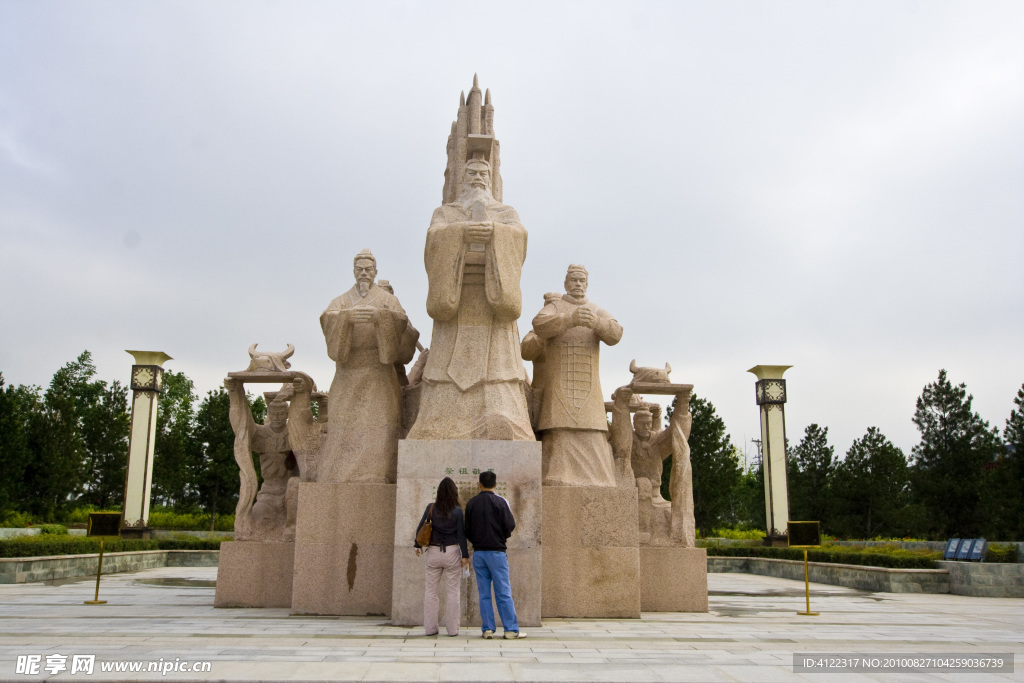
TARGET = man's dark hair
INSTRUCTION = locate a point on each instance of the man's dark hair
(488, 479)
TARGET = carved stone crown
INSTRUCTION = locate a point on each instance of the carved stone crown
(472, 137)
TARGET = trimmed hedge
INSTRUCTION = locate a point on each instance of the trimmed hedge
(864, 559)
(1003, 553)
(45, 546)
(738, 534)
(162, 518)
(167, 519)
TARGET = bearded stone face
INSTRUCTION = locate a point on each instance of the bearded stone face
(476, 183)
(477, 176)
(365, 271)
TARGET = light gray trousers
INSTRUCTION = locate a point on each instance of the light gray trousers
(446, 565)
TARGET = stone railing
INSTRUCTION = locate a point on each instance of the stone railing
(30, 569)
(958, 578)
(874, 579)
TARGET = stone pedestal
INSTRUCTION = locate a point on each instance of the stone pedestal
(254, 574)
(673, 579)
(421, 466)
(344, 549)
(591, 552)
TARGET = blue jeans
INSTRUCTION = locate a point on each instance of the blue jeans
(492, 566)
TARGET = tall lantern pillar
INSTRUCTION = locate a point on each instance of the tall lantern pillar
(147, 383)
(770, 391)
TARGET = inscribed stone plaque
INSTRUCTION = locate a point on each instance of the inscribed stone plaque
(421, 467)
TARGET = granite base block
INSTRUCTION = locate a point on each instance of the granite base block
(254, 574)
(421, 466)
(985, 580)
(673, 579)
(344, 549)
(591, 552)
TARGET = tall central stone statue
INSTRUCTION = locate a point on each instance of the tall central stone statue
(474, 381)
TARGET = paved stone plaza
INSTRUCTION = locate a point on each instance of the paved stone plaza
(750, 634)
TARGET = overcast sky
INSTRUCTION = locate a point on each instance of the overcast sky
(835, 186)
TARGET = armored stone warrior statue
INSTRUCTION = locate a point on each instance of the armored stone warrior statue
(572, 418)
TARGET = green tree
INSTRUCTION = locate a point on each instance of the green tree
(55, 476)
(871, 489)
(750, 495)
(16, 407)
(810, 467)
(105, 423)
(948, 471)
(173, 485)
(216, 472)
(717, 471)
(1004, 505)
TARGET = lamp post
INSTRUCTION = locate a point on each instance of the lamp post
(147, 383)
(770, 393)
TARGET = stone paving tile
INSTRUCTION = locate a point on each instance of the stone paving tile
(689, 673)
(750, 633)
(494, 671)
(401, 671)
(579, 672)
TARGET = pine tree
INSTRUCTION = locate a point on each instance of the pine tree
(1005, 503)
(949, 463)
(810, 470)
(716, 469)
(870, 489)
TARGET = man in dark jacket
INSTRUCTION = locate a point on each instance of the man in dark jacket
(489, 523)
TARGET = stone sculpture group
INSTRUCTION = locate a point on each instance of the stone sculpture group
(324, 533)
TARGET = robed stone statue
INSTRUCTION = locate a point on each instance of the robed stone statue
(473, 382)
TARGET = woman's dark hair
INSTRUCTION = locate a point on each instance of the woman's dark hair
(447, 497)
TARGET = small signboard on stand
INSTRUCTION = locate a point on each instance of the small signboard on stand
(805, 535)
(104, 524)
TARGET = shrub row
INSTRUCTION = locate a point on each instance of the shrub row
(45, 546)
(162, 518)
(738, 534)
(1003, 553)
(866, 559)
(15, 520)
(159, 519)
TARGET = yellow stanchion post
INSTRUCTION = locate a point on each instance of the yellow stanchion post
(807, 590)
(99, 570)
(804, 535)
